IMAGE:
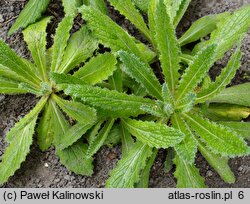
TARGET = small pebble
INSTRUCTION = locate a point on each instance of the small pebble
(46, 165)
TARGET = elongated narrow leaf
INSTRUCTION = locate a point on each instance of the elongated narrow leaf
(76, 110)
(196, 71)
(60, 42)
(239, 95)
(187, 175)
(221, 82)
(220, 164)
(70, 7)
(141, 72)
(242, 128)
(98, 4)
(201, 28)
(8, 86)
(126, 8)
(107, 100)
(187, 149)
(97, 69)
(116, 80)
(17, 151)
(108, 32)
(128, 169)
(127, 140)
(74, 159)
(166, 42)
(141, 4)
(154, 134)
(9, 60)
(13, 133)
(180, 10)
(66, 79)
(217, 137)
(114, 136)
(73, 134)
(30, 14)
(35, 37)
(99, 139)
(45, 128)
(80, 47)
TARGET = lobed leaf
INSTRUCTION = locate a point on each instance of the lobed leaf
(97, 69)
(141, 72)
(154, 134)
(217, 137)
(128, 169)
(30, 14)
(35, 37)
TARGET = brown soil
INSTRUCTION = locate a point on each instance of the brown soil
(43, 169)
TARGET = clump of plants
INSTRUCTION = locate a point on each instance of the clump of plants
(116, 97)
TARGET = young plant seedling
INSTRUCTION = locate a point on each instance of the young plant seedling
(183, 101)
(19, 76)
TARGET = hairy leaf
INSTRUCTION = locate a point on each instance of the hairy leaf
(187, 149)
(108, 100)
(141, 72)
(30, 14)
(166, 42)
(127, 140)
(128, 169)
(126, 8)
(238, 94)
(217, 137)
(70, 7)
(8, 86)
(141, 4)
(196, 71)
(221, 81)
(98, 4)
(35, 37)
(114, 136)
(60, 42)
(80, 47)
(154, 134)
(97, 69)
(187, 175)
(74, 159)
(17, 151)
(180, 9)
(220, 164)
(242, 128)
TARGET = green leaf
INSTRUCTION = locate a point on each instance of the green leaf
(66, 79)
(98, 141)
(141, 4)
(9, 60)
(126, 8)
(97, 69)
(116, 80)
(187, 175)
(217, 137)
(127, 140)
(35, 37)
(98, 4)
(12, 134)
(242, 128)
(141, 72)
(114, 136)
(196, 71)
(74, 159)
(128, 169)
(187, 149)
(80, 47)
(8, 86)
(78, 111)
(70, 7)
(60, 42)
(154, 134)
(73, 134)
(238, 94)
(166, 42)
(220, 164)
(107, 100)
(17, 151)
(202, 27)
(30, 14)
(108, 32)
(45, 128)
(221, 82)
(186, 103)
